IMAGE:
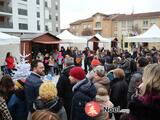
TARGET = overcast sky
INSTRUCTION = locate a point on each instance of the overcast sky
(72, 10)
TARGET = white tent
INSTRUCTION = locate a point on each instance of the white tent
(151, 35)
(68, 39)
(9, 43)
(103, 42)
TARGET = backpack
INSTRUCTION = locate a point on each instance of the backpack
(78, 60)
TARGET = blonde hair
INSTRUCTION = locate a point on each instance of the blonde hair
(47, 91)
(119, 73)
(151, 79)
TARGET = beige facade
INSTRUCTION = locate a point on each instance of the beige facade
(116, 25)
(98, 23)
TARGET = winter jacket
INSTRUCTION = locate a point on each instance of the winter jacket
(118, 93)
(126, 65)
(134, 82)
(84, 91)
(102, 82)
(18, 106)
(10, 62)
(4, 112)
(53, 105)
(145, 108)
(32, 85)
(64, 88)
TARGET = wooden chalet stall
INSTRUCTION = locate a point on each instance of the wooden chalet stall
(34, 43)
(94, 40)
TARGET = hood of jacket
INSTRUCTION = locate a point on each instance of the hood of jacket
(104, 81)
(86, 87)
(53, 105)
(66, 70)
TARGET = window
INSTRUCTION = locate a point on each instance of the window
(38, 2)
(22, 12)
(46, 4)
(23, 26)
(50, 16)
(56, 29)
(130, 23)
(123, 24)
(145, 22)
(153, 21)
(144, 30)
(46, 27)
(98, 25)
(38, 14)
(126, 44)
(38, 25)
(56, 18)
(56, 7)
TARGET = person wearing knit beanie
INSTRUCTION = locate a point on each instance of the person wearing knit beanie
(83, 91)
(76, 74)
(95, 62)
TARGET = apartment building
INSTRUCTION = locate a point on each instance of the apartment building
(98, 23)
(52, 16)
(116, 25)
(133, 24)
(29, 16)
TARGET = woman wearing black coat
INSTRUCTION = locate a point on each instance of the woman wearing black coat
(119, 89)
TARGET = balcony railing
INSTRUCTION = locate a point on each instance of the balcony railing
(6, 9)
(97, 28)
(6, 25)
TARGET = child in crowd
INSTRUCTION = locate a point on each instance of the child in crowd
(102, 98)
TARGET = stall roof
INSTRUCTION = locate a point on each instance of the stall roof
(68, 37)
(99, 39)
(151, 35)
(8, 39)
(40, 38)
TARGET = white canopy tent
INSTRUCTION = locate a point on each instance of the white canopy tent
(9, 43)
(151, 35)
(68, 39)
(103, 42)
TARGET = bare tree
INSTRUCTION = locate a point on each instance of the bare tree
(87, 32)
(136, 29)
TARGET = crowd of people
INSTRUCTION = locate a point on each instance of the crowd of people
(113, 78)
